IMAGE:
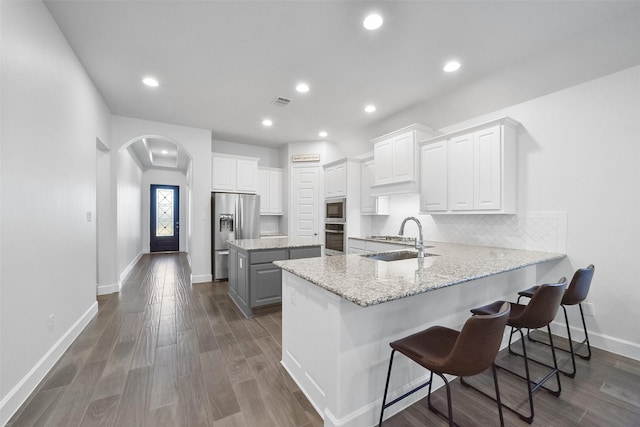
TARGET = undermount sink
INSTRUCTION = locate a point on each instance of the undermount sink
(395, 256)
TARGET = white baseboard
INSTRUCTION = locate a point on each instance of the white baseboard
(597, 340)
(19, 394)
(201, 278)
(129, 267)
(108, 289)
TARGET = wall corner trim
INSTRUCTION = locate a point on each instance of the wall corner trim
(109, 289)
(129, 267)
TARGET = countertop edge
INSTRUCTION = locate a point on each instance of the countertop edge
(273, 243)
(374, 301)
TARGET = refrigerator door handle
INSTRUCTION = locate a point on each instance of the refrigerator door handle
(238, 219)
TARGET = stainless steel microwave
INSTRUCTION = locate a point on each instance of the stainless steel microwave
(335, 210)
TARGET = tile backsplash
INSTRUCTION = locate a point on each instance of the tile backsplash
(269, 224)
(539, 231)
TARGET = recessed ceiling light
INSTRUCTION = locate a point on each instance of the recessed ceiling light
(302, 87)
(372, 22)
(370, 108)
(451, 66)
(323, 134)
(165, 152)
(267, 122)
(150, 81)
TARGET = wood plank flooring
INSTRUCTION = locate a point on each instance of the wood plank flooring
(163, 352)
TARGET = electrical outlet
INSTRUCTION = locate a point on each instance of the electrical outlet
(51, 322)
(589, 309)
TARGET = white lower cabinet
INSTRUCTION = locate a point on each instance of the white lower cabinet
(470, 171)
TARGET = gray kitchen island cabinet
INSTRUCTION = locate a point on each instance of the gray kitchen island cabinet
(254, 281)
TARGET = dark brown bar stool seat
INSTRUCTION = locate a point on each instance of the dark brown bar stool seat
(539, 313)
(446, 351)
(575, 294)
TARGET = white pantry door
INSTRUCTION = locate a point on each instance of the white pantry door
(305, 191)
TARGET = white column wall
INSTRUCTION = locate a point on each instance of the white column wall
(51, 115)
(198, 144)
(129, 212)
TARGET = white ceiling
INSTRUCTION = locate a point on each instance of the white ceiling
(221, 63)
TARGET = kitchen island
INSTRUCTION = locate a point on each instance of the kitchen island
(340, 313)
(254, 281)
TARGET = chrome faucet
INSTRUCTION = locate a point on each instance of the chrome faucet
(420, 242)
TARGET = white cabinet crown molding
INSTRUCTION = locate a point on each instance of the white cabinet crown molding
(235, 156)
(508, 121)
(412, 127)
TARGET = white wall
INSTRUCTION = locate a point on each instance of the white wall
(162, 177)
(578, 153)
(197, 142)
(106, 223)
(269, 157)
(51, 115)
(129, 212)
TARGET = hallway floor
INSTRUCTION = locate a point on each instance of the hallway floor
(165, 353)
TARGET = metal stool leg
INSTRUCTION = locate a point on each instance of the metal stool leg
(396, 400)
(573, 350)
(386, 388)
(586, 336)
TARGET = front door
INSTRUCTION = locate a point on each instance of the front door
(164, 218)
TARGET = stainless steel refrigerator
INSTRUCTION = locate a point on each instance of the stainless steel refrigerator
(233, 216)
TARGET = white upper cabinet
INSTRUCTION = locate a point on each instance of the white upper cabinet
(461, 173)
(335, 180)
(487, 169)
(433, 179)
(234, 173)
(383, 168)
(404, 157)
(223, 173)
(371, 205)
(247, 175)
(472, 170)
(396, 160)
(270, 181)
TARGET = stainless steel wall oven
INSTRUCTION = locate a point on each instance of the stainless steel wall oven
(335, 240)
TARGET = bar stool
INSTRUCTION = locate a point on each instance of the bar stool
(575, 294)
(540, 311)
(446, 351)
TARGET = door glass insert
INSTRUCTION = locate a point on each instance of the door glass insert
(164, 212)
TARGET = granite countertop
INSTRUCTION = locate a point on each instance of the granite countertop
(365, 281)
(274, 243)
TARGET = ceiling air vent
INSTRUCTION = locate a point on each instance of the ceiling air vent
(281, 102)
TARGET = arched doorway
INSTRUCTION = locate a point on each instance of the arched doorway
(165, 183)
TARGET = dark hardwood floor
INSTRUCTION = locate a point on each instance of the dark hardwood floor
(163, 352)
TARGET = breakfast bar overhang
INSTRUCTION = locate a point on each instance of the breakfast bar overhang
(340, 313)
